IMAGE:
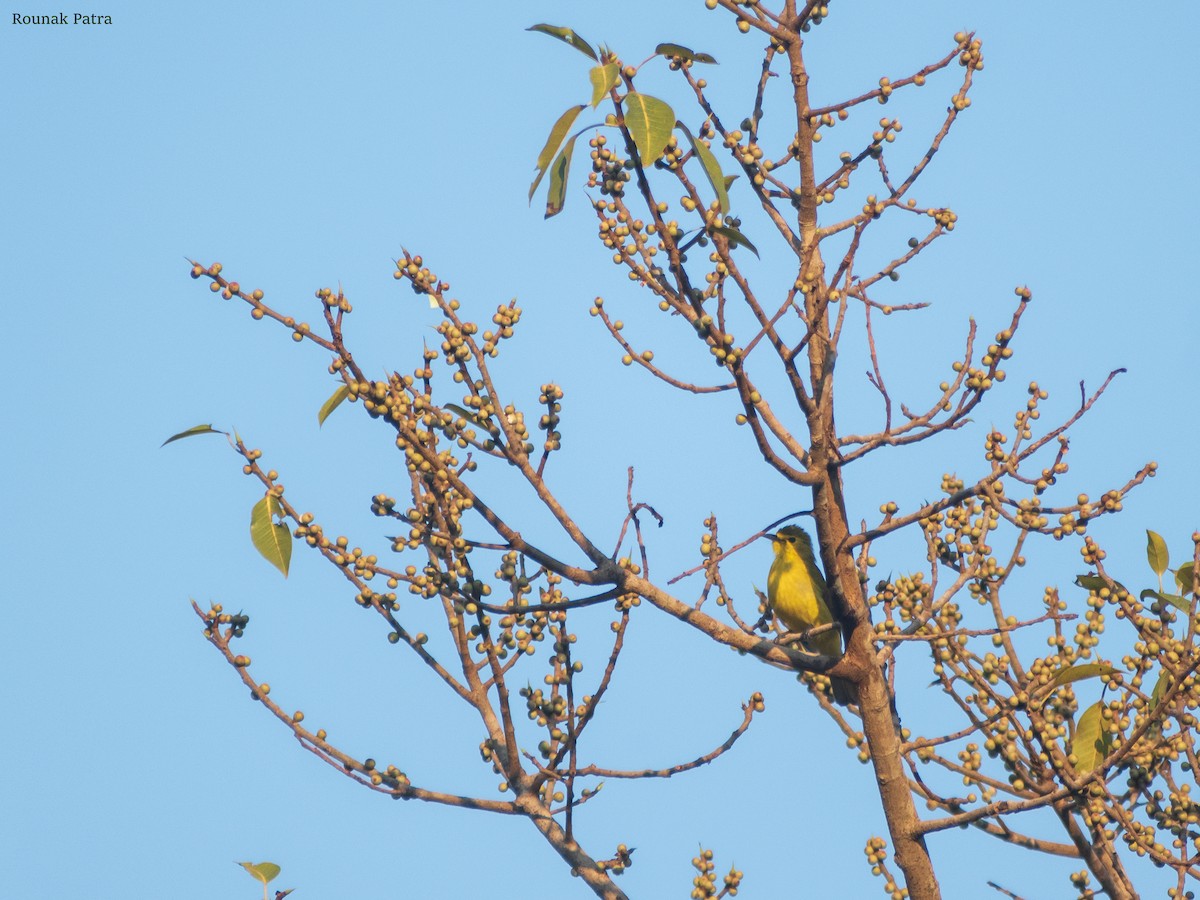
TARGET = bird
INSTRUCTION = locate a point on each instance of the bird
(798, 594)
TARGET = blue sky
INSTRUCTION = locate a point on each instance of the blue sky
(301, 145)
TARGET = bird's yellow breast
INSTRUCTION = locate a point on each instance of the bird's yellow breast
(796, 592)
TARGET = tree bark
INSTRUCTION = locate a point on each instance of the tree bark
(859, 663)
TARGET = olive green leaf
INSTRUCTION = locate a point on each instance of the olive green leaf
(192, 432)
(566, 34)
(553, 142)
(1156, 695)
(1174, 599)
(1078, 673)
(604, 79)
(712, 168)
(1183, 577)
(1160, 688)
(1156, 552)
(684, 53)
(556, 196)
(1097, 583)
(1091, 743)
(650, 123)
(334, 401)
(735, 237)
(272, 539)
(264, 871)
(474, 418)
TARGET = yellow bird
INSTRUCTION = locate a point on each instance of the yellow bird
(797, 591)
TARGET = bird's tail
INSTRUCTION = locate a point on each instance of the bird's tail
(845, 692)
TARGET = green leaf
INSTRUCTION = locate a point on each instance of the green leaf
(1156, 552)
(556, 196)
(1078, 673)
(735, 237)
(553, 142)
(684, 53)
(712, 168)
(566, 34)
(729, 180)
(192, 432)
(1156, 695)
(1178, 602)
(1160, 688)
(1175, 600)
(272, 539)
(473, 417)
(334, 401)
(264, 871)
(1096, 583)
(1183, 577)
(650, 123)
(604, 79)
(1091, 743)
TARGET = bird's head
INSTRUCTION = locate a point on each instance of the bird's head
(792, 539)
